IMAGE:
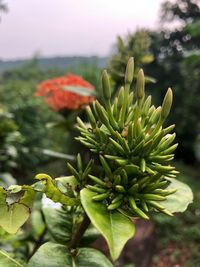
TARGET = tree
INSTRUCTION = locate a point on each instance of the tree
(176, 59)
(134, 44)
(3, 7)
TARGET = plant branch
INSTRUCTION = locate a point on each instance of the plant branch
(38, 243)
(79, 232)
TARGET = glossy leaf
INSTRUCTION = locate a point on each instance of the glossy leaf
(179, 201)
(7, 261)
(56, 255)
(90, 236)
(116, 228)
(59, 224)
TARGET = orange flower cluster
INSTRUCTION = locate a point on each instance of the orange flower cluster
(57, 97)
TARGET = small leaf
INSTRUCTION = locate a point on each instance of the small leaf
(7, 261)
(57, 155)
(80, 90)
(13, 216)
(179, 201)
(91, 258)
(66, 184)
(115, 227)
(56, 255)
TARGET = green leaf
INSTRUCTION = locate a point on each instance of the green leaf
(179, 201)
(91, 258)
(59, 224)
(114, 226)
(89, 236)
(80, 90)
(56, 255)
(51, 255)
(66, 184)
(7, 261)
(13, 216)
(37, 222)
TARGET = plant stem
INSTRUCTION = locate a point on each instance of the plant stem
(38, 243)
(79, 232)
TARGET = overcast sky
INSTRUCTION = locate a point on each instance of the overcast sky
(71, 27)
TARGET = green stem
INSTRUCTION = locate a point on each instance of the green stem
(80, 232)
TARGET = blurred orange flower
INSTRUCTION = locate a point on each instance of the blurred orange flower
(59, 98)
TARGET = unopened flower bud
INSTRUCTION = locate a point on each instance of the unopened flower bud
(167, 103)
(106, 85)
(129, 71)
(140, 85)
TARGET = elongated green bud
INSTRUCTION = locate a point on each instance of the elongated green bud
(79, 163)
(132, 169)
(165, 192)
(167, 103)
(81, 123)
(143, 165)
(129, 71)
(169, 129)
(117, 146)
(117, 198)
(115, 205)
(91, 117)
(73, 171)
(101, 112)
(96, 189)
(144, 206)
(101, 196)
(147, 105)
(153, 197)
(120, 188)
(97, 180)
(155, 204)
(85, 143)
(117, 179)
(106, 85)
(170, 149)
(140, 85)
(105, 166)
(138, 211)
(124, 178)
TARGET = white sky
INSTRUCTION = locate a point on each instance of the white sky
(71, 27)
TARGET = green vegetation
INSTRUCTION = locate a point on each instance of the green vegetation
(129, 146)
(34, 138)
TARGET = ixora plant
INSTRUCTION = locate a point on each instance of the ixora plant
(128, 176)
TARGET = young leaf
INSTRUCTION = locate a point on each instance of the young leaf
(115, 227)
(80, 90)
(13, 216)
(7, 261)
(178, 201)
(56, 255)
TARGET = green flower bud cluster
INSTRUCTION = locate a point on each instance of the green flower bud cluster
(134, 148)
